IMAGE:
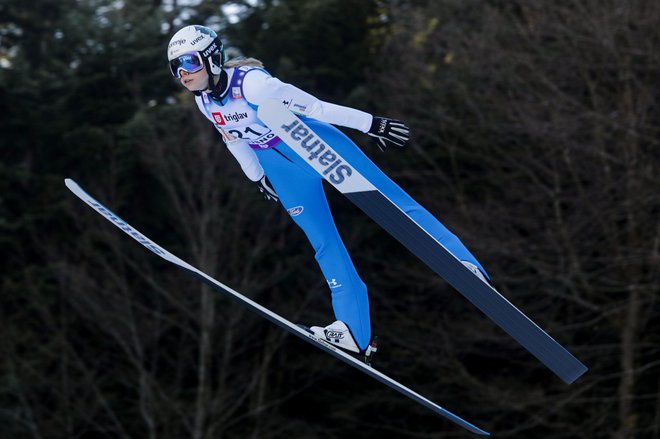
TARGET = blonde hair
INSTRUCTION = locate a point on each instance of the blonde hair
(239, 62)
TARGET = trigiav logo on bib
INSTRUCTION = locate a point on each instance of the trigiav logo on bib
(335, 169)
(221, 119)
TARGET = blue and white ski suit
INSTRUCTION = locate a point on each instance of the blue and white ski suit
(300, 188)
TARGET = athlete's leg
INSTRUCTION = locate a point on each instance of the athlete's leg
(301, 193)
(353, 155)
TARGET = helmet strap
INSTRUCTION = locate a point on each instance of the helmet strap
(216, 91)
(219, 91)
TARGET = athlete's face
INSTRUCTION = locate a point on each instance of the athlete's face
(195, 81)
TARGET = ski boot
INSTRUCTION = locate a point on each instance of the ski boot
(339, 335)
(474, 269)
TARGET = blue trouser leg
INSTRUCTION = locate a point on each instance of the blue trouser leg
(298, 185)
(301, 192)
(353, 155)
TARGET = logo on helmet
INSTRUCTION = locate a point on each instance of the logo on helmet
(206, 30)
(176, 43)
(197, 40)
(212, 48)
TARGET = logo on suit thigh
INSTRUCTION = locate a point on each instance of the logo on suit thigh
(295, 211)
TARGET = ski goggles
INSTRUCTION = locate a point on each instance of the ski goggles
(190, 62)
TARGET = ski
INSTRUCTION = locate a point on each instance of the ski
(266, 313)
(339, 173)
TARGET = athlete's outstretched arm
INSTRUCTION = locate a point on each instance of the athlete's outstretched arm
(259, 86)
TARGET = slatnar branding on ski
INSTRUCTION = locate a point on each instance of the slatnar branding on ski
(335, 169)
(127, 228)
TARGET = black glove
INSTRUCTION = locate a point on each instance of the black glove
(386, 131)
(267, 189)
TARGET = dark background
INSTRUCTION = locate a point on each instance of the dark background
(535, 137)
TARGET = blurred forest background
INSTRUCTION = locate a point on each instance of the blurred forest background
(536, 138)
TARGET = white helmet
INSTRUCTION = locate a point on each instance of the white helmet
(193, 48)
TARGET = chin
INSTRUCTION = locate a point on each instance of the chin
(196, 86)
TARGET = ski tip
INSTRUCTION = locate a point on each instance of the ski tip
(474, 429)
(459, 421)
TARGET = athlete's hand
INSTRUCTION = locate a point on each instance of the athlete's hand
(267, 189)
(229, 138)
(386, 131)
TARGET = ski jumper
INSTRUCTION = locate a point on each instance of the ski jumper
(300, 187)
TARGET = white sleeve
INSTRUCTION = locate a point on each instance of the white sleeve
(259, 86)
(247, 158)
